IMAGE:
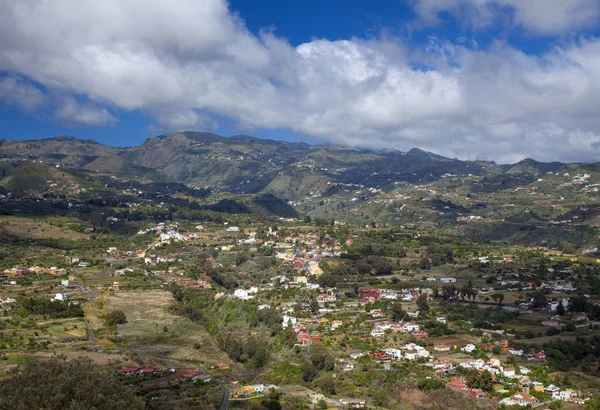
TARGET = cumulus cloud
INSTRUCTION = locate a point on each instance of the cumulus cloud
(544, 17)
(70, 111)
(183, 62)
(15, 91)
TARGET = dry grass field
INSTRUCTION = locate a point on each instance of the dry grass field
(29, 228)
(155, 335)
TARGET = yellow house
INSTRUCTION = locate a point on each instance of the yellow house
(315, 270)
(537, 386)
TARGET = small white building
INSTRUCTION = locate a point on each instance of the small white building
(410, 327)
(394, 353)
(60, 297)
(242, 294)
(288, 320)
(377, 333)
(468, 348)
(509, 372)
(448, 280)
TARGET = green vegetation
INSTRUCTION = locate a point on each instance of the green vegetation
(56, 384)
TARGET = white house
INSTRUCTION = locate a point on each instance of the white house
(233, 229)
(519, 399)
(336, 323)
(60, 296)
(377, 333)
(258, 388)
(383, 325)
(288, 320)
(242, 294)
(410, 327)
(468, 348)
(448, 280)
(553, 390)
(509, 372)
(566, 394)
(516, 352)
(394, 353)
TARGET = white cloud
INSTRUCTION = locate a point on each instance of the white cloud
(70, 111)
(182, 61)
(544, 17)
(15, 91)
(185, 120)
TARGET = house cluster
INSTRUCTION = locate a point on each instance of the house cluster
(144, 371)
(410, 351)
(252, 390)
(17, 272)
(380, 328)
(200, 284)
(405, 295)
(460, 385)
(523, 399)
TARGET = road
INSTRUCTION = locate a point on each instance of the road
(93, 293)
(226, 393)
(88, 329)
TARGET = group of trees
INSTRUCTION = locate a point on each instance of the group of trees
(252, 350)
(55, 384)
(477, 380)
(53, 308)
(317, 359)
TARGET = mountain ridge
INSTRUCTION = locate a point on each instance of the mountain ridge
(244, 164)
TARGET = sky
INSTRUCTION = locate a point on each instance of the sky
(498, 80)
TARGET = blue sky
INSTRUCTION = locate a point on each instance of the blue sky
(489, 79)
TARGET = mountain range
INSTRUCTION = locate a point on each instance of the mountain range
(245, 165)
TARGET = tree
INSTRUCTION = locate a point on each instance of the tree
(55, 384)
(498, 298)
(327, 385)
(396, 312)
(560, 309)
(425, 263)
(314, 305)
(116, 317)
(422, 304)
(539, 300)
(309, 371)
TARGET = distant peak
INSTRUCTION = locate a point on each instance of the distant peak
(419, 153)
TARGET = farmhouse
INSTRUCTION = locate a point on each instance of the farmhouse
(520, 399)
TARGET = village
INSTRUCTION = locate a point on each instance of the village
(387, 322)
